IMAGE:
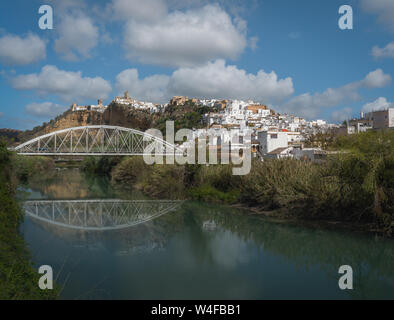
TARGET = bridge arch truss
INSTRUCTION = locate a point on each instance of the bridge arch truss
(97, 140)
(98, 215)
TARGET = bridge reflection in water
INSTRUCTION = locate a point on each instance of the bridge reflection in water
(98, 214)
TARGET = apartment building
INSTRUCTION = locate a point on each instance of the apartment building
(381, 119)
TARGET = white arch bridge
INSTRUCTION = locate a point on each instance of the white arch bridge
(98, 215)
(99, 140)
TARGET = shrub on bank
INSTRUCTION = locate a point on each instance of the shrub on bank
(18, 279)
(26, 167)
(165, 181)
(100, 165)
(354, 186)
(211, 194)
(278, 183)
(130, 171)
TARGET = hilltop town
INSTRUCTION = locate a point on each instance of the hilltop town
(226, 113)
(225, 122)
(270, 131)
(272, 134)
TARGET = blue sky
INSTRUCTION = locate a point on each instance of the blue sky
(288, 54)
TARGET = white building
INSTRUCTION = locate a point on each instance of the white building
(381, 119)
(125, 100)
(75, 107)
(99, 107)
(294, 137)
(280, 153)
(272, 140)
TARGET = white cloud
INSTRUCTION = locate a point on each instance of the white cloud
(384, 9)
(142, 11)
(379, 104)
(186, 38)
(212, 80)
(218, 80)
(310, 105)
(376, 79)
(386, 52)
(69, 86)
(15, 50)
(45, 109)
(153, 88)
(77, 37)
(341, 115)
(69, 6)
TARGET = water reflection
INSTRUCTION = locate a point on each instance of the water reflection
(98, 215)
(203, 251)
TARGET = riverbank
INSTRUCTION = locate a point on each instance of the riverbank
(355, 188)
(18, 278)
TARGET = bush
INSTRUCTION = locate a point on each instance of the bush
(130, 171)
(219, 176)
(18, 279)
(100, 165)
(26, 167)
(356, 185)
(211, 194)
(165, 181)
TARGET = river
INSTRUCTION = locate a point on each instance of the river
(103, 243)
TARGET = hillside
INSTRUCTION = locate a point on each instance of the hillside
(188, 115)
(10, 135)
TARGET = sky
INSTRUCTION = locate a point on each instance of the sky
(290, 55)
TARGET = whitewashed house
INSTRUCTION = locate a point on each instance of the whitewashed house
(272, 140)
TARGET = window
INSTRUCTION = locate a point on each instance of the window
(274, 136)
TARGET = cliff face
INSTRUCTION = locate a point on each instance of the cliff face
(115, 115)
(123, 116)
(73, 119)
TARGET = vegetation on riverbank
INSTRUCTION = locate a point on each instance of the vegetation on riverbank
(27, 167)
(99, 165)
(354, 186)
(18, 278)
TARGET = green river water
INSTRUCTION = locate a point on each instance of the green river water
(157, 249)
